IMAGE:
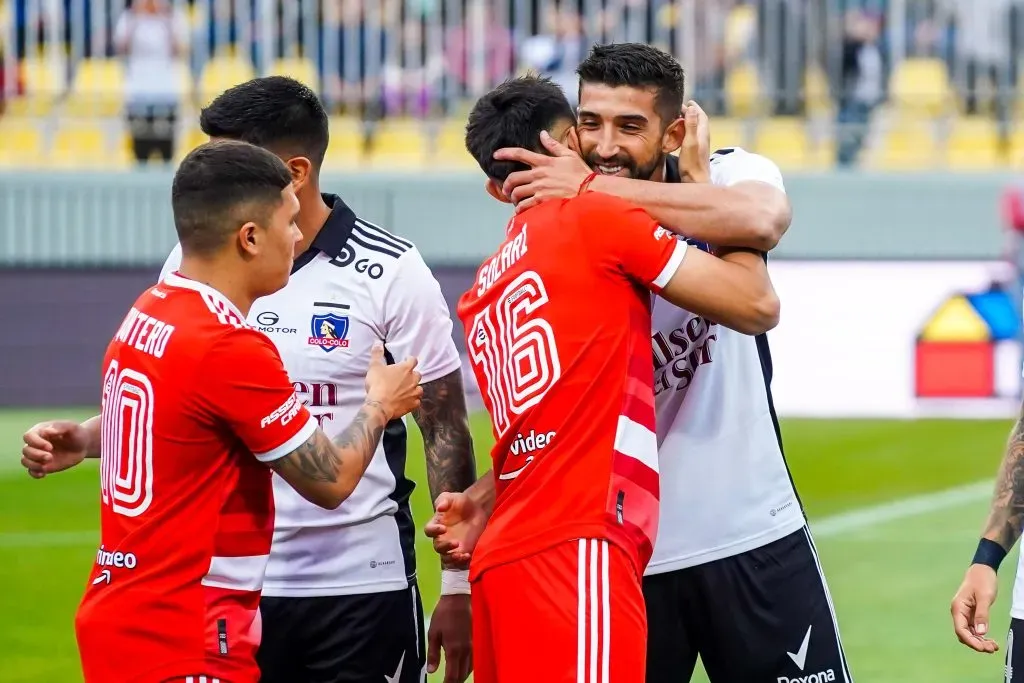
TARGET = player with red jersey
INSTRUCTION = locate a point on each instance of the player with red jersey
(196, 411)
(557, 328)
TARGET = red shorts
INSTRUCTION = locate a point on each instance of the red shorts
(571, 614)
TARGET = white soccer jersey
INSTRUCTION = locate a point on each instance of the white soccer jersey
(357, 284)
(725, 487)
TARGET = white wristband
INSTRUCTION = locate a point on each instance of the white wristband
(454, 582)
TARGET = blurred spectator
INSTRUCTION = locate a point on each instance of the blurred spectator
(152, 38)
(556, 52)
(861, 87)
(352, 55)
(412, 77)
(479, 53)
(987, 72)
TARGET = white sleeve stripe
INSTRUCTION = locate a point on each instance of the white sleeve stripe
(291, 444)
(673, 264)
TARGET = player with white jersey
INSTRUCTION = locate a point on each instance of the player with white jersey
(340, 599)
(973, 601)
(735, 576)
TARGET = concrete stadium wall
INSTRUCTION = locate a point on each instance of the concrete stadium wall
(59, 219)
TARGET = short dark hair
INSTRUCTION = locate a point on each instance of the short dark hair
(513, 115)
(638, 65)
(219, 187)
(277, 113)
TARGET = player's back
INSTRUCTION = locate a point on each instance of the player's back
(557, 328)
(187, 511)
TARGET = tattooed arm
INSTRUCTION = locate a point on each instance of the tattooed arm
(447, 442)
(977, 593)
(1007, 512)
(325, 472)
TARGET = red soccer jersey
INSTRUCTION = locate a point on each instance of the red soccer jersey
(190, 395)
(558, 331)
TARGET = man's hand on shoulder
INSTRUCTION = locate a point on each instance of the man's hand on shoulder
(550, 177)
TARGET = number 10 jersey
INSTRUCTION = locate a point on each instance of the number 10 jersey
(190, 395)
(558, 335)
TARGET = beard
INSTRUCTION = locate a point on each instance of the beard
(632, 166)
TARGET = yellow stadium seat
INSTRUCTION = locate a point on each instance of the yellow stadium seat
(189, 140)
(906, 145)
(399, 143)
(816, 91)
(973, 144)
(726, 132)
(450, 146)
(740, 28)
(921, 86)
(221, 73)
(302, 70)
(81, 146)
(97, 89)
(743, 90)
(347, 143)
(785, 141)
(44, 82)
(21, 143)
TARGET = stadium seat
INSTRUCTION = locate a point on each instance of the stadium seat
(785, 141)
(743, 90)
(86, 146)
(450, 146)
(906, 144)
(22, 143)
(220, 73)
(973, 144)
(726, 132)
(921, 87)
(45, 81)
(97, 89)
(347, 143)
(399, 143)
(302, 70)
(816, 91)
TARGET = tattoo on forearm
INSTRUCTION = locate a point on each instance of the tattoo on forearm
(318, 460)
(315, 459)
(447, 441)
(363, 434)
(1007, 513)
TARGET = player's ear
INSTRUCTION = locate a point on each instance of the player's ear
(247, 239)
(672, 140)
(494, 189)
(301, 169)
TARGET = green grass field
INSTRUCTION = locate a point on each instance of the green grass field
(891, 580)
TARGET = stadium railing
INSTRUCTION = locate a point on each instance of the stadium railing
(789, 78)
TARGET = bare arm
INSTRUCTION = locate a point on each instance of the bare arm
(447, 442)
(92, 428)
(325, 471)
(483, 493)
(733, 290)
(750, 214)
(1006, 514)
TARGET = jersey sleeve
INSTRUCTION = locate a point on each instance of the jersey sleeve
(734, 165)
(246, 387)
(627, 239)
(172, 263)
(417, 321)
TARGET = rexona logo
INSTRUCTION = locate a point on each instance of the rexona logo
(826, 676)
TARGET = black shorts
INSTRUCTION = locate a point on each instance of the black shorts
(1014, 672)
(368, 638)
(763, 616)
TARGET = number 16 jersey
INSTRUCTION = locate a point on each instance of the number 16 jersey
(558, 335)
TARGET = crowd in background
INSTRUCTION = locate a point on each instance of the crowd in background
(424, 58)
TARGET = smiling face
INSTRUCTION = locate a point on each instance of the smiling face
(621, 133)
